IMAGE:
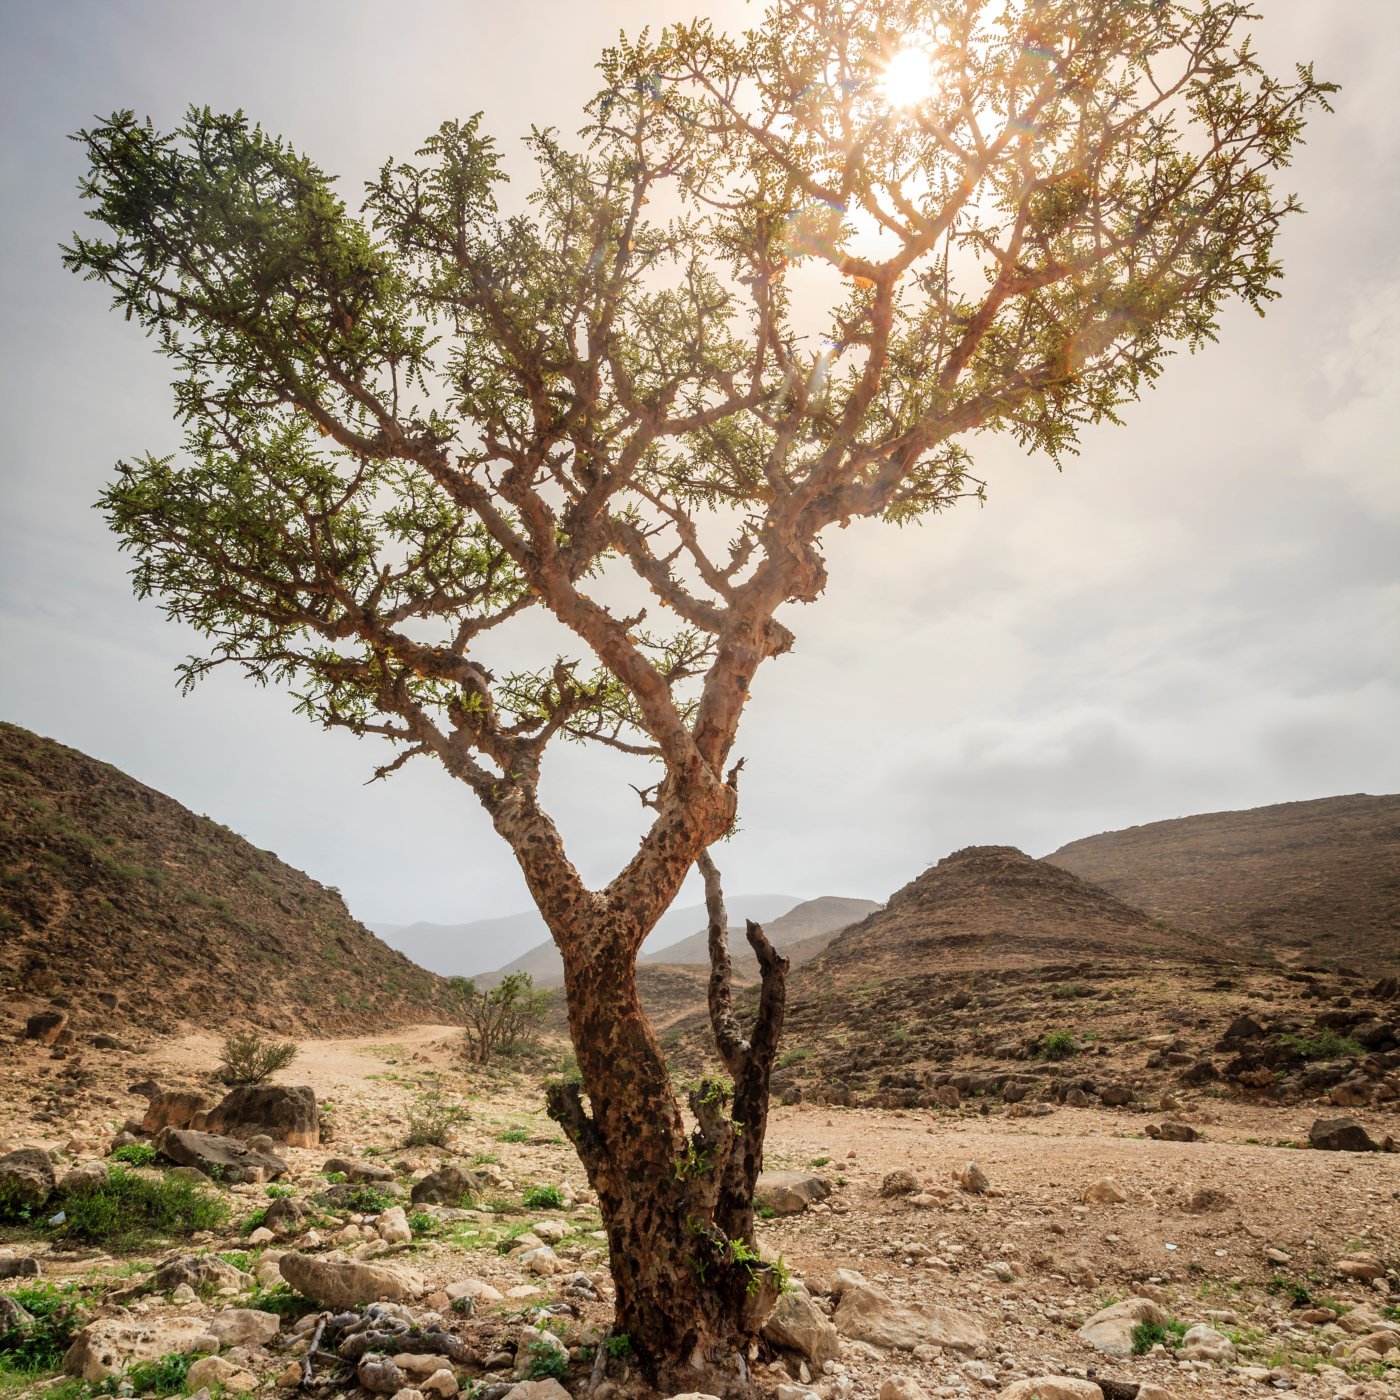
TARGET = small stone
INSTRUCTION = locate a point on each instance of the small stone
(973, 1180)
(1106, 1192)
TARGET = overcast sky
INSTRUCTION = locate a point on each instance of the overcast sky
(1201, 612)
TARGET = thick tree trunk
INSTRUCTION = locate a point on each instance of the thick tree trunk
(677, 1205)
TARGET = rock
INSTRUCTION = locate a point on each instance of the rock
(379, 1375)
(46, 1027)
(867, 1315)
(973, 1180)
(205, 1273)
(797, 1324)
(172, 1108)
(1105, 1192)
(547, 1389)
(1116, 1095)
(18, 1266)
(284, 1112)
(1340, 1135)
(1202, 1072)
(240, 1327)
(1111, 1330)
(84, 1177)
(1362, 1266)
(442, 1383)
(215, 1371)
(342, 1283)
(1173, 1131)
(221, 1157)
(1202, 1343)
(104, 1349)
(1205, 1198)
(550, 1231)
(448, 1186)
(286, 1215)
(1244, 1028)
(261, 1236)
(26, 1177)
(356, 1171)
(901, 1388)
(899, 1183)
(392, 1226)
(947, 1096)
(789, 1193)
(1052, 1388)
(476, 1289)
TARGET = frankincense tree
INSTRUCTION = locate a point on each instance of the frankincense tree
(779, 283)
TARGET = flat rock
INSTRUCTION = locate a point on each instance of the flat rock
(172, 1108)
(342, 1283)
(221, 1157)
(26, 1176)
(547, 1389)
(104, 1349)
(867, 1315)
(241, 1327)
(789, 1193)
(1051, 1388)
(449, 1185)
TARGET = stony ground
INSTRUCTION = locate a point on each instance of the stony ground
(1266, 1243)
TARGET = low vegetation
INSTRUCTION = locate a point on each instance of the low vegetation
(501, 1020)
(431, 1120)
(130, 1209)
(249, 1058)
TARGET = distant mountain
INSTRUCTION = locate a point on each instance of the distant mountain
(488, 949)
(808, 927)
(1308, 880)
(122, 906)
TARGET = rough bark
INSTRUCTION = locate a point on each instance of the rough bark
(677, 1205)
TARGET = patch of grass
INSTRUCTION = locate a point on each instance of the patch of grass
(1298, 1293)
(277, 1191)
(819, 1161)
(254, 1219)
(513, 1135)
(279, 1299)
(128, 1209)
(485, 1159)
(37, 1346)
(421, 1223)
(1325, 1045)
(618, 1345)
(543, 1198)
(1067, 991)
(792, 1057)
(365, 1199)
(1147, 1335)
(336, 1178)
(164, 1376)
(135, 1154)
(1057, 1045)
(766, 1213)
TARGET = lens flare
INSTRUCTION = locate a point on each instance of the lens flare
(908, 78)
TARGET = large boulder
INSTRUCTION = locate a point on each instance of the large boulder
(172, 1108)
(449, 1185)
(342, 1283)
(244, 1327)
(104, 1349)
(224, 1159)
(26, 1177)
(205, 1273)
(789, 1193)
(284, 1112)
(867, 1315)
(1340, 1135)
(46, 1026)
(355, 1171)
(797, 1324)
(1111, 1330)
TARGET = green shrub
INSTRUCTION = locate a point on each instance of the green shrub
(279, 1299)
(1325, 1045)
(249, 1058)
(421, 1223)
(164, 1376)
(1298, 1293)
(543, 1198)
(1058, 1045)
(276, 1192)
(431, 1120)
(618, 1345)
(254, 1219)
(128, 1209)
(38, 1345)
(513, 1135)
(365, 1199)
(792, 1057)
(1147, 1335)
(135, 1154)
(547, 1362)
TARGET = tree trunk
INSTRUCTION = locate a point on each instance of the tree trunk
(677, 1206)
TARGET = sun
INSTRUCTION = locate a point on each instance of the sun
(908, 78)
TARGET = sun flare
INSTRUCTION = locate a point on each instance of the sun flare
(908, 78)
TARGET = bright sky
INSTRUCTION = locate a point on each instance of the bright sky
(1202, 612)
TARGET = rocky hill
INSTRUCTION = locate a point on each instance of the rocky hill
(110, 890)
(1306, 881)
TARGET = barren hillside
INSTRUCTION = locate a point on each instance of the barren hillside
(1302, 880)
(110, 888)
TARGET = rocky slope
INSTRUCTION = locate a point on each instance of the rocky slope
(122, 906)
(1306, 881)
